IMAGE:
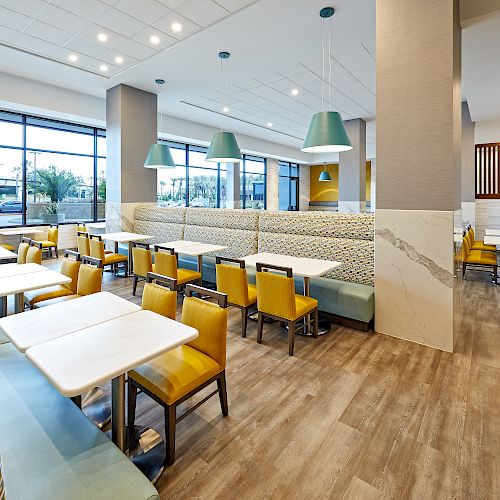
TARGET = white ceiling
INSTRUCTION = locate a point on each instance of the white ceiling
(275, 46)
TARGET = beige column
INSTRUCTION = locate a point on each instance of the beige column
(468, 168)
(304, 187)
(131, 128)
(272, 187)
(418, 170)
(233, 185)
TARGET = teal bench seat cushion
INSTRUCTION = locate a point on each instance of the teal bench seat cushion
(50, 450)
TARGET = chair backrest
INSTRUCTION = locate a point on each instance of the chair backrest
(82, 241)
(165, 261)
(465, 247)
(275, 292)
(232, 280)
(159, 299)
(209, 319)
(96, 247)
(52, 234)
(22, 252)
(34, 255)
(70, 266)
(81, 227)
(89, 276)
(141, 257)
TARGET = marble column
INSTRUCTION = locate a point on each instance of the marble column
(352, 169)
(417, 282)
(272, 184)
(233, 185)
(131, 128)
(468, 168)
(304, 187)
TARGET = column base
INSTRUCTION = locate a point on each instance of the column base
(352, 206)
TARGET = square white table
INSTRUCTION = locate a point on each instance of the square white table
(17, 269)
(492, 232)
(64, 318)
(20, 231)
(7, 255)
(125, 237)
(491, 240)
(194, 249)
(18, 284)
(79, 361)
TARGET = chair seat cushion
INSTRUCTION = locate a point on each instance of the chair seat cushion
(114, 258)
(484, 258)
(48, 243)
(186, 275)
(175, 373)
(303, 305)
(252, 294)
(479, 245)
(52, 292)
(7, 247)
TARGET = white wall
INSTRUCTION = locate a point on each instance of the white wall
(487, 131)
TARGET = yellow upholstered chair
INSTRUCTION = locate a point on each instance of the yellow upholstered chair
(22, 251)
(478, 258)
(51, 242)
(34, 255)
(89, 276)
(82, 241)
(232, 280)
(108, 259)
(166, 265)
(70, 266)
(477, 244)
(160, 298)
(142, 263)
(8, 247)
(177, 375)
(276, 299)
(81, 227)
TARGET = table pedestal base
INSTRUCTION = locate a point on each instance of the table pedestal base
(323, 328)
(147, 452)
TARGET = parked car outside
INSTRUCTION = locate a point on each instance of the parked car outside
(11, 206)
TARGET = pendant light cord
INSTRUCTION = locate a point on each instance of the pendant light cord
(330, 64)
(161, 116)
(225, 67)
(322, 66)
(220, 86)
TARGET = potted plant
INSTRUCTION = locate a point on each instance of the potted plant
(51, 214)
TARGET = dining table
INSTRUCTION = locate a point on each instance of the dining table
(7, 256)
(20, 231)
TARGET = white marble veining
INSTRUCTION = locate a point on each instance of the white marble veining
(414, 276)
(352, 206)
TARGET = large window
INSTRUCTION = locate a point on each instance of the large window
(253, 182)
(50, 171)
(194, 182)
(288, 187)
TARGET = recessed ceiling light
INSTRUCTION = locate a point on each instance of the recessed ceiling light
(225, 109)
(102, 37)
(155, 40)
(269, 124)
(295, 92)
(73, 57)
(103, 68)
(119, 60)
(176, 27)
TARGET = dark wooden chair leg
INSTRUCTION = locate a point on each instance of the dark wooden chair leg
(315, 324)
(495, 274)
(260, 326)
(291, 337)
(244, 321)
(170, 421)
(134, 285)
(464, 267)
(132, 402)
(78, 401)
(221, 384)
(57, 253)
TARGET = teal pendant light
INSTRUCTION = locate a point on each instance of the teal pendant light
(326, 132)
(159, 155)
(324, 176)
(224, 147)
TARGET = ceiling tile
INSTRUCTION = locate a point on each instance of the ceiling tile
(147, 11)
(109, 55)
(64, 53)
(202, 12)
(120, 22)
(13, 20)
(234, 5)
(86, 47)
(91, 32)
(88, 9)
(29, 8)
(145, 35)
(7, 35)
(134, 49)
(63, 19)
(172, 4)
(48, 33)
(165, 25)
(36, 45)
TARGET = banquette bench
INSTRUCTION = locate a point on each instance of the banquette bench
(346, 294)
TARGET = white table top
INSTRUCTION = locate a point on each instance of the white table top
(492, 240)
(31, 281)
(124, 237)
(192, 247)
(79, 361)
(6, 254)
(492, 232)
(95, 225)
(21, 230)
(63, 318)
(301, 266)
(14, 269)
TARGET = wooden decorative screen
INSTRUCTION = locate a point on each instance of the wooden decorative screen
(487, 170)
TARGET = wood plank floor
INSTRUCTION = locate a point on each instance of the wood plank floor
(351, 416)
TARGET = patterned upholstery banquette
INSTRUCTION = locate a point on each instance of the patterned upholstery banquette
(346, 292)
